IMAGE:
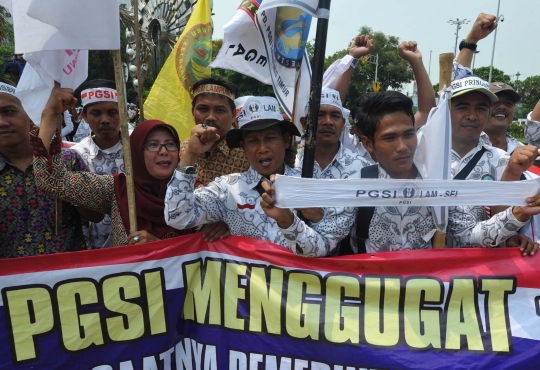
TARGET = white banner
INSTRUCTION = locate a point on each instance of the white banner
(60, 24)
(295, 192)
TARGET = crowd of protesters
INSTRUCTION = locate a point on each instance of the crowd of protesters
(219, 180)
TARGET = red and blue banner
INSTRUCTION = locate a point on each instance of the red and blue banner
(244, 304)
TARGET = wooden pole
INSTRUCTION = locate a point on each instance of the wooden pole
(445, 78)
(58, 201)
(138, 53)
(124, 132)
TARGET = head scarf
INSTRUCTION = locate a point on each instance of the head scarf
(149, 191)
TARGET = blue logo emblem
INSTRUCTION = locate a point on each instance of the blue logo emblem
(292, 27)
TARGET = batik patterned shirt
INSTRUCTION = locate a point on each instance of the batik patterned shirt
(406, 228)
(101, 162)
(27, 225)
(235, 200)
(511, 142)
(218, 162)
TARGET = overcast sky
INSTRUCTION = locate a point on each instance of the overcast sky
(425, 21)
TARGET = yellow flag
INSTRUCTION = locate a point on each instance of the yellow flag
(170, 98)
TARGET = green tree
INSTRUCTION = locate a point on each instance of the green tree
(529, 89)
(393, 71)
(246, 85)
(497, 75)
(7, 41)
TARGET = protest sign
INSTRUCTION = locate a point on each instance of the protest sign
(242, 303)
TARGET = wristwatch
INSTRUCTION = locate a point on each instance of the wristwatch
(354, 63)
(467, 45)
(188, 170)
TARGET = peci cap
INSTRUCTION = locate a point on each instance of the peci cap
(258, 113)
(499, 87)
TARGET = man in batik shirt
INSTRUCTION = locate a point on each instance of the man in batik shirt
(27, 216)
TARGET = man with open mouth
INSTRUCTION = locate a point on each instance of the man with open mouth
(244, 200)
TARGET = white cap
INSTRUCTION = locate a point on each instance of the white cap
(331, 97)
(239, 103)
(256, 108)
(472, 83)
(8, 89)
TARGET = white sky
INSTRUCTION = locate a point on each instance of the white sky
(425, 21)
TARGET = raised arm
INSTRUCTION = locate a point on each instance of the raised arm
(361, 46)
(426, 96)
(532, 129)
(482, 27)
(81, 188)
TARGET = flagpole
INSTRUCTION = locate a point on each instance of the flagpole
(58, 202)
(445, 79)
(316, 87)
(138, 53)
(124, 133)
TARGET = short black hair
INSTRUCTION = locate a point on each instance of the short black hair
(215, 81)
(92, 84)
(372, 107)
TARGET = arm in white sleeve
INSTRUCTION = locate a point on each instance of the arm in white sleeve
(462, 226)
(532, 130)
(459, 71)
(186, 208)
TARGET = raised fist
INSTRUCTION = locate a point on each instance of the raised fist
(361, 46)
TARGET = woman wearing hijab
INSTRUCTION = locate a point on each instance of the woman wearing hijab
(154, 151)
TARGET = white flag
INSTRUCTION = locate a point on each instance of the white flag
(32, 93)
(61, 25)
(434, 152)
(68, 67)
(243, 50)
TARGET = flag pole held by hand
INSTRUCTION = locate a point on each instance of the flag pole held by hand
(445, 79)
(124, 132)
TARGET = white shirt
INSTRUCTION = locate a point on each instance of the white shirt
(405, 228)
(511, 142)
(532, 131)
(235, 200)
(102, 162)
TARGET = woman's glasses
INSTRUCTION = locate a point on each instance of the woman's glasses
(156, 147)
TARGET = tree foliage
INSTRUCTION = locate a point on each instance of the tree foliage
(7, 40)
(497, 75)
(393, 71)
(529, 89)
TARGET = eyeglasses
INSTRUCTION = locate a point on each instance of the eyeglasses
(156, 147)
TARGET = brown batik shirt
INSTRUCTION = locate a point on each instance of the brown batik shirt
(219, 161)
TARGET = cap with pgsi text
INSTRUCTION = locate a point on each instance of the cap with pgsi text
(472, 83)
(501, 87)
(258, 113)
